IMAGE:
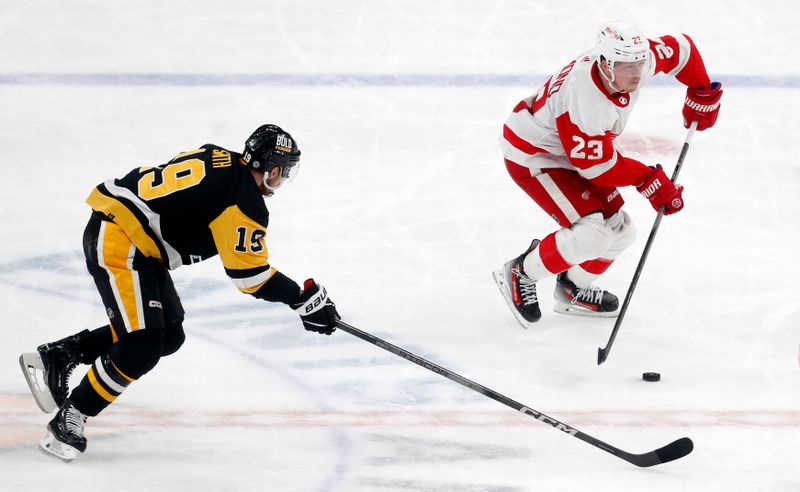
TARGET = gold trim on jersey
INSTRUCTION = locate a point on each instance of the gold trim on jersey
(241, 245)
(110, 204)
(126, 220)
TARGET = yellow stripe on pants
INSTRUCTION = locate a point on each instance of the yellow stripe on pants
(117, 260)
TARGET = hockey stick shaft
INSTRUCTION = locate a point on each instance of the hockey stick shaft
(602, 353)
(670, 452)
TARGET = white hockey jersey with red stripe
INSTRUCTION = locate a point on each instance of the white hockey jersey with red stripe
(572, 121)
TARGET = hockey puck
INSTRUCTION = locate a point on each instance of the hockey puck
(651, 376)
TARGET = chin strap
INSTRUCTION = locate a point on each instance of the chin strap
(269, 188)
(609, 80)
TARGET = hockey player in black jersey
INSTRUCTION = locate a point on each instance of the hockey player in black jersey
(202, 203)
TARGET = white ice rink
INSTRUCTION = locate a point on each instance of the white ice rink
(402, 209)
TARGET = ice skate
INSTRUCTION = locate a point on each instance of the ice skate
(518, 290)
(589, 301)
(65, 437)
(48, 369)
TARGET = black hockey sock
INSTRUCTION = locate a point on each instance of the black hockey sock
(101, 385)
(110, 374)
(95, 343)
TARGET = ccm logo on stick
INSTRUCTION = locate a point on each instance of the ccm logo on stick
(547, 420)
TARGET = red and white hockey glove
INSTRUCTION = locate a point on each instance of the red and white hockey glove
(702, 106)
(316, 309)
(661, 191)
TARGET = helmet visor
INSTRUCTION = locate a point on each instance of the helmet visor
(289, 164)
(290, 172)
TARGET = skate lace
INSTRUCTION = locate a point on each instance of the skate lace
(74, 421)
(68, 371)
(527, 289)
(589, 294)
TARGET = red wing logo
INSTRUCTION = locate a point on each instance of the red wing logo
(612, 33)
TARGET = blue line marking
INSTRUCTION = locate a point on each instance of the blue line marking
(791, 81)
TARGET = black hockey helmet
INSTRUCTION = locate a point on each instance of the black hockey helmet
(269, 147)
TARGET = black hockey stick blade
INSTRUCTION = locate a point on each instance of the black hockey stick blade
(670, 452)
(602, 355)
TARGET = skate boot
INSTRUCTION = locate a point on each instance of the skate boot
(53, 363)
(518, 290)
(589, 301)
(65, 437)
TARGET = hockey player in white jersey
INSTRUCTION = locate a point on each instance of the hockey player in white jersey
(558, 146)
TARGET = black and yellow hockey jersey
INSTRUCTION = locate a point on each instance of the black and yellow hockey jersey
(202, 203)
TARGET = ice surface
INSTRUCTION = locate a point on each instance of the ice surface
(402, 209)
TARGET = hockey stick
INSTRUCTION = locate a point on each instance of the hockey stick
(670, 452)
(602, 353)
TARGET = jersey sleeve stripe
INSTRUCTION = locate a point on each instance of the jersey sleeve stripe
(238, 273)
(684, 51)
(251, 284)
(597, 170)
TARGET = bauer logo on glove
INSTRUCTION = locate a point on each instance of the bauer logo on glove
(317, 311)
(314, 302)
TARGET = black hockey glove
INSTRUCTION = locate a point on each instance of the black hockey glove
(316, 309)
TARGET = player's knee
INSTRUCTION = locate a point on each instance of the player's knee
(624, 232)
(173, 338)
(137, 353)
(590, 238)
